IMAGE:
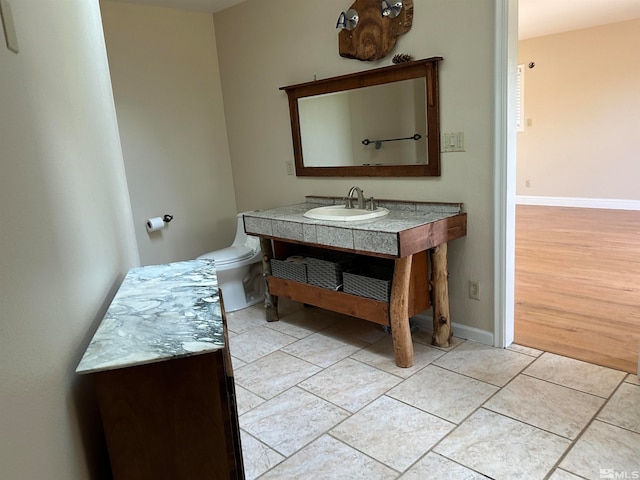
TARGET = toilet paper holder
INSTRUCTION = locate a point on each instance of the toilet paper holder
(158, 223)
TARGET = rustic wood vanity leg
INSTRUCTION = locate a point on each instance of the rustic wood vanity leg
(441, 318)
(399, 312)
(270, 301)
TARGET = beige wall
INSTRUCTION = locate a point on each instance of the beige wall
(265, 45)
(583, 99)
(67, 233)
(166, 84)
(66, 236)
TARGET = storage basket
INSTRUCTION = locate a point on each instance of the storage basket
(326, 273)
(289, 270)
(369, 287)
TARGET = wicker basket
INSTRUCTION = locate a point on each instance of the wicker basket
(369, 287)
(326, 273)
(296, 271)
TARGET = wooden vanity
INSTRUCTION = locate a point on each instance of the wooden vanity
(413, 237)
(163, 375)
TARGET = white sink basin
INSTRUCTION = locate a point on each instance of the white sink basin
(339, 213)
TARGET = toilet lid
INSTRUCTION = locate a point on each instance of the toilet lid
(229, 254)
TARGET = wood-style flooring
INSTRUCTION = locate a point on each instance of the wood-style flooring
(577, 283)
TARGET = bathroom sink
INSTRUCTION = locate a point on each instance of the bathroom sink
(339, 213)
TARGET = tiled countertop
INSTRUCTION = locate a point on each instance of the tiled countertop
(378, 235)
(160, 312)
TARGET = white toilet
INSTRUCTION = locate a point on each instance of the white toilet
(239, 269)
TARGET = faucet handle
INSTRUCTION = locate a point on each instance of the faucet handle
(372, 204)
(348, 202)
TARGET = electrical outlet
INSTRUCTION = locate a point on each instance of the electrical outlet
(289, 168)
(474, 289)
(527, 183)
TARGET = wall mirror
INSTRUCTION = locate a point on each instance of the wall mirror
(381, 122)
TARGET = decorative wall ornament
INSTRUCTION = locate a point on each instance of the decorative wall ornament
(379, 24)
(401, 58)
(348, 19)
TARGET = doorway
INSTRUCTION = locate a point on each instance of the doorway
(575, 282)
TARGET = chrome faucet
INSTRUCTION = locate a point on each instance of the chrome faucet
(349, 199)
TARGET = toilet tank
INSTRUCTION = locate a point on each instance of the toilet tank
(242, 238)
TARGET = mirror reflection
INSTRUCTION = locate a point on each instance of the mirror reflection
(383, 122)
(372, 126)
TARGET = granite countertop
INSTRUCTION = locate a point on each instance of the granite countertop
(377, 235)
(160, 312)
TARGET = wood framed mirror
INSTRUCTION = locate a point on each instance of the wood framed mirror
(383, 122)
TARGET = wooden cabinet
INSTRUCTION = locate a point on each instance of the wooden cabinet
(175, 419)
(162, 369)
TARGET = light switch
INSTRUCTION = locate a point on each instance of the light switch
(9, 28)
(452, 142)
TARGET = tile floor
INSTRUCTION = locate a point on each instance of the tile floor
(320, 397)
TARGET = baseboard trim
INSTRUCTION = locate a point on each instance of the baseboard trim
(425, 321)
(606, 203)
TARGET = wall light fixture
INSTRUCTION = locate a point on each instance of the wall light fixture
(391, 10)
(348, 20)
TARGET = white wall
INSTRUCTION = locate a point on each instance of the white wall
(260, 50)
(583, 101)
(166, 84)
(66, 236)
(335, 110)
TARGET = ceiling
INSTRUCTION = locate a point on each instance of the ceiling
(536, 17)
(546, 17)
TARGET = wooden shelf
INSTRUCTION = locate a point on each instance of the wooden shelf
(361, 307)
(410, 294)
(354, 305)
